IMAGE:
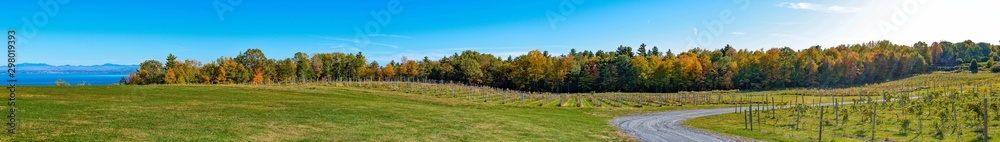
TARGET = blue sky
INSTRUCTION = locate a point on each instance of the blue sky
(80, 32)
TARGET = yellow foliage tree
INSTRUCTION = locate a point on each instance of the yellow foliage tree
(389, 71)
(171, 78)
(258, 76)
(530, 68)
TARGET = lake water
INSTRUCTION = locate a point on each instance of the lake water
(72, 79)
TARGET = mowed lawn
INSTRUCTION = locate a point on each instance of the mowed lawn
(289, 113)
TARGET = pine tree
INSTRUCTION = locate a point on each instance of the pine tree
(974, 67)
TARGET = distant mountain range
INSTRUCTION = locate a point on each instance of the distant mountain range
(42, 68)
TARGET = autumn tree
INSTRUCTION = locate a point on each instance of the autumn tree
(530, 69)
(286, 70)
(304, 69)
(189, 71)
(170, 77)
(935, 53)
(373, 70)
(150, 72)
(233, 71)
(409, 69)
(645, 70)
(207, 73)
(389, 71)
(691, 70)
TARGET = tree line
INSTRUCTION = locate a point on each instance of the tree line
(621, 70)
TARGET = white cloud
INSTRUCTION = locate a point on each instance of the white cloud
(739, 33)
(818, 7)
(341, 47)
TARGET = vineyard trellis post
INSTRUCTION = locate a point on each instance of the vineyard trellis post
(522, 96)
(733, 97)
(751, 115)
(746, 116)
(579, 100)
(821, 123)
(836, 111)
(662, 102)
(759, 106)
(874, 111)
(986, 114)
(798, 110)
(640, 99)
(773, 109)
(504, 92)
(954, 114)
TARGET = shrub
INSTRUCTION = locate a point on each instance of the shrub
(995, 69)
(60, 82)
(989, 63)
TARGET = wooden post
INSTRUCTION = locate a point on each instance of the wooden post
(620, 103)
(920, 115)
(746, 116)
(695, 96)
(874, 111)
(504, 101)
(773, 109)
(758, 112)
(662, 102)
(522, 96)
(821, 123)
(986, 115)
(798, 112)
(953, 113)
(836, 111)
(640, 99)
(679, 98)
(751, 116)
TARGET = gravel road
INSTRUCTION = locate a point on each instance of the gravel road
(666, 126)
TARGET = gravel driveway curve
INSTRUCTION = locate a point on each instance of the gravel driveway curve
(666, 126)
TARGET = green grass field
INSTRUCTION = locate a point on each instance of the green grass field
(303, 112)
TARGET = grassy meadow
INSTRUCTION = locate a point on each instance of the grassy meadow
(314, 112)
